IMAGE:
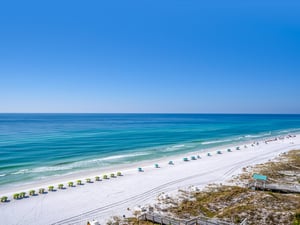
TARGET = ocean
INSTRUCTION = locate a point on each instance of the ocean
(39, 146)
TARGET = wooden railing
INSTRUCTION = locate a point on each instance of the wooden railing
(276, 187)
(165, 220)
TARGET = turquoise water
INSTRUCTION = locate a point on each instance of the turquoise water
(35, 146)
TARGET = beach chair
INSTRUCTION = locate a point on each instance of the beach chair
(156, 165)
(193, 158)
(229, 150)
(208, 154)
(185, 159)
(171, 163)
(140, 169)
(237, 148)
(198, 157)
(219, 152)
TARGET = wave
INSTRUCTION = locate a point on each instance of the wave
(218, 141)
(288, 131)
(258, 135)
(118, 157)
(177, 146)
(3, 175)
(237, 138)
(80, 164)
(20, 171)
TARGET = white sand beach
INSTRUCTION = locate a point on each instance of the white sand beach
(102, 199)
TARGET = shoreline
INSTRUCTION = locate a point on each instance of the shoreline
(124, 168)
(103, 199)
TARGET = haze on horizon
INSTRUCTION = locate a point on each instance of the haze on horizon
(150, 56)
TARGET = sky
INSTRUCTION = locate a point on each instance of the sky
(150, 56)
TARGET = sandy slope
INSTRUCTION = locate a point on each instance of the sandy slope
(103, 199)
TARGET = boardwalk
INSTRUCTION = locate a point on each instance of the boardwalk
(283, 188)
(164, 220)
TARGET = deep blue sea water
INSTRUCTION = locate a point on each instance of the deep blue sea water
(42, 145)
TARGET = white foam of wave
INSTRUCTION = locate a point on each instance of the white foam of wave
(108, 158)
(218, 141)
(289, 131)
(20, 171)
(177, 146)
(237, 139)
(258, 135)
(76, 164)
(2, 175)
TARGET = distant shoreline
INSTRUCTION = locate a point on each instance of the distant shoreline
(106, 198)
(92, 172)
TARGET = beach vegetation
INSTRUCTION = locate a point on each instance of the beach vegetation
(79, 182)
(112, 175)
(32, 192)
(42, 190)
(88, 180)
(4, 199)
(296, 220)
(70, 184)
(60, 186)
(97, 178)
(119, 174)
(105, 176)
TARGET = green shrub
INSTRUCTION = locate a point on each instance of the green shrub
(79, 182)
(112, 175)
(32, 192)
(105, 176)
(88, 180)
(119, 174)
(97, 178)
(70, 184)
(42, 190)
(60, 186)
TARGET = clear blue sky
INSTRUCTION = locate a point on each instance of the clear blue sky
(150, 56)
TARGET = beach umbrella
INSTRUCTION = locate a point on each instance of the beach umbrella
(119, 174)
(4, 199)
